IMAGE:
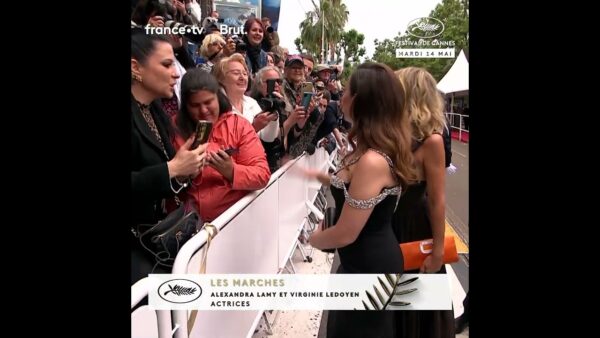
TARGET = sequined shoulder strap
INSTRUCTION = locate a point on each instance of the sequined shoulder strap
(373, 201)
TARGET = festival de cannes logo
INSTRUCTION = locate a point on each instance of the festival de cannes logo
(390, 289)
(425, 27)
(179, 291)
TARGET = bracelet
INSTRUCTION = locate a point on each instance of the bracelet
(182, 185)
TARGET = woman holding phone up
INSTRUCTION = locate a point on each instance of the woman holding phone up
(158, 173)
(236, 159)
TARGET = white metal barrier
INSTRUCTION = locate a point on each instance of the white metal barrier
(453, 124)
(154, 323)
(258, 234)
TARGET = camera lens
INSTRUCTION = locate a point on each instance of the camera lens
(241, 47)
(270, 29)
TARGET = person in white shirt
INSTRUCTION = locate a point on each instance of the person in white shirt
(232, 74)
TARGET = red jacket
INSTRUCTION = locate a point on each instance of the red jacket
(213, 193)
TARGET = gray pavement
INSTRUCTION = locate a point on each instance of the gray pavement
(457, 191)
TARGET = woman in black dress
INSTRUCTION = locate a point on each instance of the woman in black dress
(366, 187)
(157, 171)
(421, 210)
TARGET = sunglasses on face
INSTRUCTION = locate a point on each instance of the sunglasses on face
(278, 81)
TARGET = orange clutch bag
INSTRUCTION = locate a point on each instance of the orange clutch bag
(414, 253)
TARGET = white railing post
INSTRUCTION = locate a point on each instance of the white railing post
(139, 290)
(460, 125)
(197, 243)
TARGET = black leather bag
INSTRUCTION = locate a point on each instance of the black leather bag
(165, 238)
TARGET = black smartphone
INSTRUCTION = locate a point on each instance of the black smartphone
(270, 86)
(306, 99)
(203, 129)
(231, 151)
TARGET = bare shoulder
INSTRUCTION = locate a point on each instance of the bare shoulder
(435, 141)
(373, 170)
(374, 166)
(433, 150)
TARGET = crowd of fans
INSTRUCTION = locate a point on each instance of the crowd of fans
(267, 106)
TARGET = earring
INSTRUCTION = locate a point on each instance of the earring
(136, 77)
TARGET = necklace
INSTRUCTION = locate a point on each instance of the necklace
(145, 110)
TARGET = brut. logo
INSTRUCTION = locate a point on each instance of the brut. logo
(425, 27)
(179, 291)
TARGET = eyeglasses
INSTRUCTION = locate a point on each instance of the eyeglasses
(237, 73)
(278, 81)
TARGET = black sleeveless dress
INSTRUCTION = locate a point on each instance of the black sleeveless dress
(375, 250)
(411, 223)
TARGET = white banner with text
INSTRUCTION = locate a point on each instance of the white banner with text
(300, 292)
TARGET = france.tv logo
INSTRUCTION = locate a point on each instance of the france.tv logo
(179, 291)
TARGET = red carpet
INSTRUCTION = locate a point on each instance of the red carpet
(464, 136)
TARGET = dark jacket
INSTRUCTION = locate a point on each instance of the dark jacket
(330, 122)
(447, 146)
(149, 180)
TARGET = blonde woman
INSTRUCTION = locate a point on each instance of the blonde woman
(232, 73)
(213, 49)
(421, 210)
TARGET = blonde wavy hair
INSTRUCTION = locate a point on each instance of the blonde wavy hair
(424, 102)
(208, 40)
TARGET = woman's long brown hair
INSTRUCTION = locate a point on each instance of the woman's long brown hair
(379, 118)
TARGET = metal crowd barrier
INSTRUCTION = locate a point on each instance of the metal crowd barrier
(258, 234)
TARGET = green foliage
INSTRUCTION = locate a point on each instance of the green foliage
(331, 14)
(455, 16)
(299, 47)
(351, 45)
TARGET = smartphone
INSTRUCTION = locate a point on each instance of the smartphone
(307, 87)
(306, 98)
(270, 86)
(231, 151)
(203, 129)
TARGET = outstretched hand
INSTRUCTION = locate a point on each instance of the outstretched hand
(313, 174)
